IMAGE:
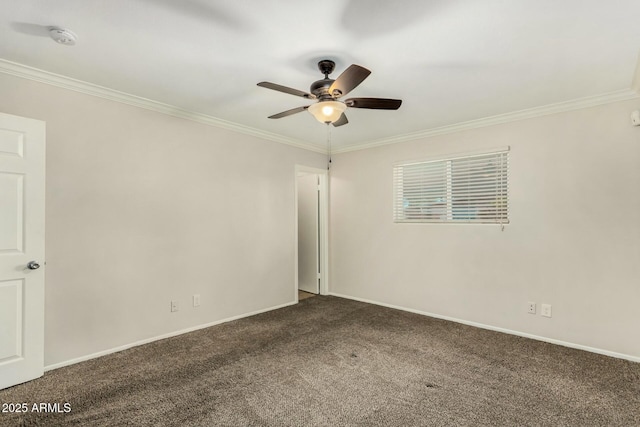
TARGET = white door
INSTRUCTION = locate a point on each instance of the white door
(22, 153)
(308, 228)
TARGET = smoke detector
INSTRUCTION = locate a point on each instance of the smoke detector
(62, 36)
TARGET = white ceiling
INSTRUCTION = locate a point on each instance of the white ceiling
(450, 61)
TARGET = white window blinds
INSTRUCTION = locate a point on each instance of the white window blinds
(470, 189)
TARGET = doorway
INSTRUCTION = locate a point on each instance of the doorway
(311, 231)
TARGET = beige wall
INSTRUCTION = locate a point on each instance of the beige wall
(144, 208)
(573, 241)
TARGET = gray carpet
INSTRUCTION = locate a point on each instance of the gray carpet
(333, 362)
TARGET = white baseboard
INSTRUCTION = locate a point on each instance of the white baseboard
(159, 337)
(497, 329)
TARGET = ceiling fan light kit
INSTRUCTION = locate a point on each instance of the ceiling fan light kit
(328, 109)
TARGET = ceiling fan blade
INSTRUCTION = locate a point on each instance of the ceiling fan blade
(374, 103)
(341, 121)
(348, 80)
(285, 89)
(288, 112)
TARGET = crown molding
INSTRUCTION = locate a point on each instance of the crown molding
(561, 107)
(35, 74)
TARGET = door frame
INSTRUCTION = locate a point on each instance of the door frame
(323, 222)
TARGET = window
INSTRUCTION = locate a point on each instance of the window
(469, 189)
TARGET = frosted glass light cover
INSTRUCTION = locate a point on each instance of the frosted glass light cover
(327, 111)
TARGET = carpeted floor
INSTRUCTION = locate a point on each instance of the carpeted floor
(334, 362)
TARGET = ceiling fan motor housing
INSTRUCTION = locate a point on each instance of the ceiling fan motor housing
(320, 88)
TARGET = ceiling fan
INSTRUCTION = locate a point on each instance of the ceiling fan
(329, 109)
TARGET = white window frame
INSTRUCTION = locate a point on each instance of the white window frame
(434, 184)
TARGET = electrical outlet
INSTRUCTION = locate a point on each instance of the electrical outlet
(196, 300)
(531, 307)
(545, 310)
(174, 306)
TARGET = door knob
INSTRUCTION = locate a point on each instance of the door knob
(33, 265)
